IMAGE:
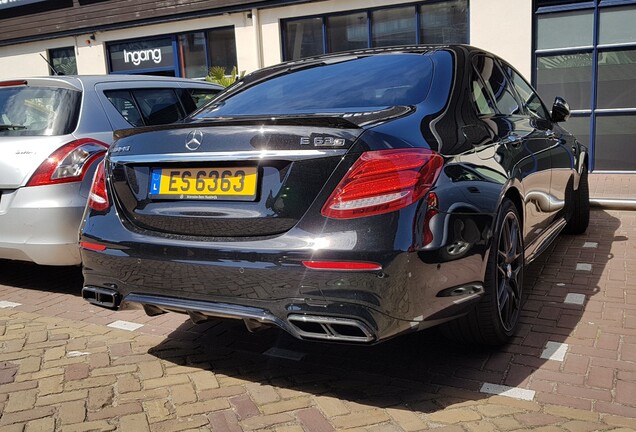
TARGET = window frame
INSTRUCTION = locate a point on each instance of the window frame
(369, 12)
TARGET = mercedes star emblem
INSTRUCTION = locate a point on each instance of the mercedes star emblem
(194, 140)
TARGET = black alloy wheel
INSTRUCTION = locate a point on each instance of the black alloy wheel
(509, 278)
(494, 320)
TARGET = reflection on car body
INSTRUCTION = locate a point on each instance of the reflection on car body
(426, 214)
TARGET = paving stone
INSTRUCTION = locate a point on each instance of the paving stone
(134, 422)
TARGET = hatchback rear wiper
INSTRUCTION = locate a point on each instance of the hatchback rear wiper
(12, 127)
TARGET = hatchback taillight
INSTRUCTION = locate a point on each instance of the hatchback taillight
(383, 181)
(98, 198)
(69, 163)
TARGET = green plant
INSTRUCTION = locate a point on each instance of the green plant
(216, 74)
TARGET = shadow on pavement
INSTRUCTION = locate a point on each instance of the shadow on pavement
(20, 274)
(422, 371)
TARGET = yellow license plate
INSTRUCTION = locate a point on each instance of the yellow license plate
(204, 183)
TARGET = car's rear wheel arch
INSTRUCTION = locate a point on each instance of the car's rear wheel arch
(515, 196)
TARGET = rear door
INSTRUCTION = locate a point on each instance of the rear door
(525, 147)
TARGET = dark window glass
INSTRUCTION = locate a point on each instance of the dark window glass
(579, 126)
(123, 101)
(497, 85)
(347, 32)
(202, 96)
(614, 143)
(616, 79)
(373, 82)
(303, 38)
(63, 61)
(141, 55)
(193, 56)
(158, 106)
(38, 111)
(444, 22)
(568, 76)
(531, 100)
(483, 104)
(395, 26)
(222, 48)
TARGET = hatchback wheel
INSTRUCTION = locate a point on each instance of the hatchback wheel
(495, 318)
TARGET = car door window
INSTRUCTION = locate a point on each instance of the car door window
(497, 85)
(529, 97)
(125, 104)
(483, 104)
(202, 96)
(158, 106)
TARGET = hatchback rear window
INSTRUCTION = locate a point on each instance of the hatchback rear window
(340, 84)
(38, 111)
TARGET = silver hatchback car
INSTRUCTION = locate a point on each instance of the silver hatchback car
(52, 132)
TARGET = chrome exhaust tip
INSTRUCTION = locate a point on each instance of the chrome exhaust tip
(104, 297)
(331, 328)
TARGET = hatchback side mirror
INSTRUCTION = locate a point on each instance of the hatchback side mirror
(560, 110)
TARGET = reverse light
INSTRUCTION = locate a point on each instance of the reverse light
(383, 181)
(342, 265)
(69, 163)
(98, 197)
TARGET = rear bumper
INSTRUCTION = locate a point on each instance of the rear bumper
(265, 283)
(40, 224)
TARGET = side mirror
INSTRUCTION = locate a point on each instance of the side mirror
(560, 110)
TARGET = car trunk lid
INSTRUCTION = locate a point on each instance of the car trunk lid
(227, 178)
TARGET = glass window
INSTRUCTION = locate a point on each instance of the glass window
(222, 48)
(579, 126)
(395, 26)
(568, 76)
(202, 96)
(444, 22)
(158, 106)
(123, 101)
(614, 143)
(565, 29)
(38, 111)
(193, 56)
(303, 38)
(63, 61)
(616, 79)
(617, 25)
(531, 100)
(347, 32)
(483, 104)
(380, 81)
(497, 85)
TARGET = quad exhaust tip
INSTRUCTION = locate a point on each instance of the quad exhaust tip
(331, 328)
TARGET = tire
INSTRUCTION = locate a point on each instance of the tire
(580, 207)
(495, 319)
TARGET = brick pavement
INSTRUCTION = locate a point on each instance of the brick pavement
(63, 368)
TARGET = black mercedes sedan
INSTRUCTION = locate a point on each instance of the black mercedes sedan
(350, 197)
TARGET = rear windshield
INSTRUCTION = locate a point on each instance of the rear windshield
(349, 84)
(38, 111)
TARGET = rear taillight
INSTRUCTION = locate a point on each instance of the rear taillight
(383, 181)
(98, 198)
(69, 163)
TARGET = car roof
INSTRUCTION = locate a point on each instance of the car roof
(80, 81)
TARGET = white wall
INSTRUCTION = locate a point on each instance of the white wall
(504, 27)
(24, 59)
